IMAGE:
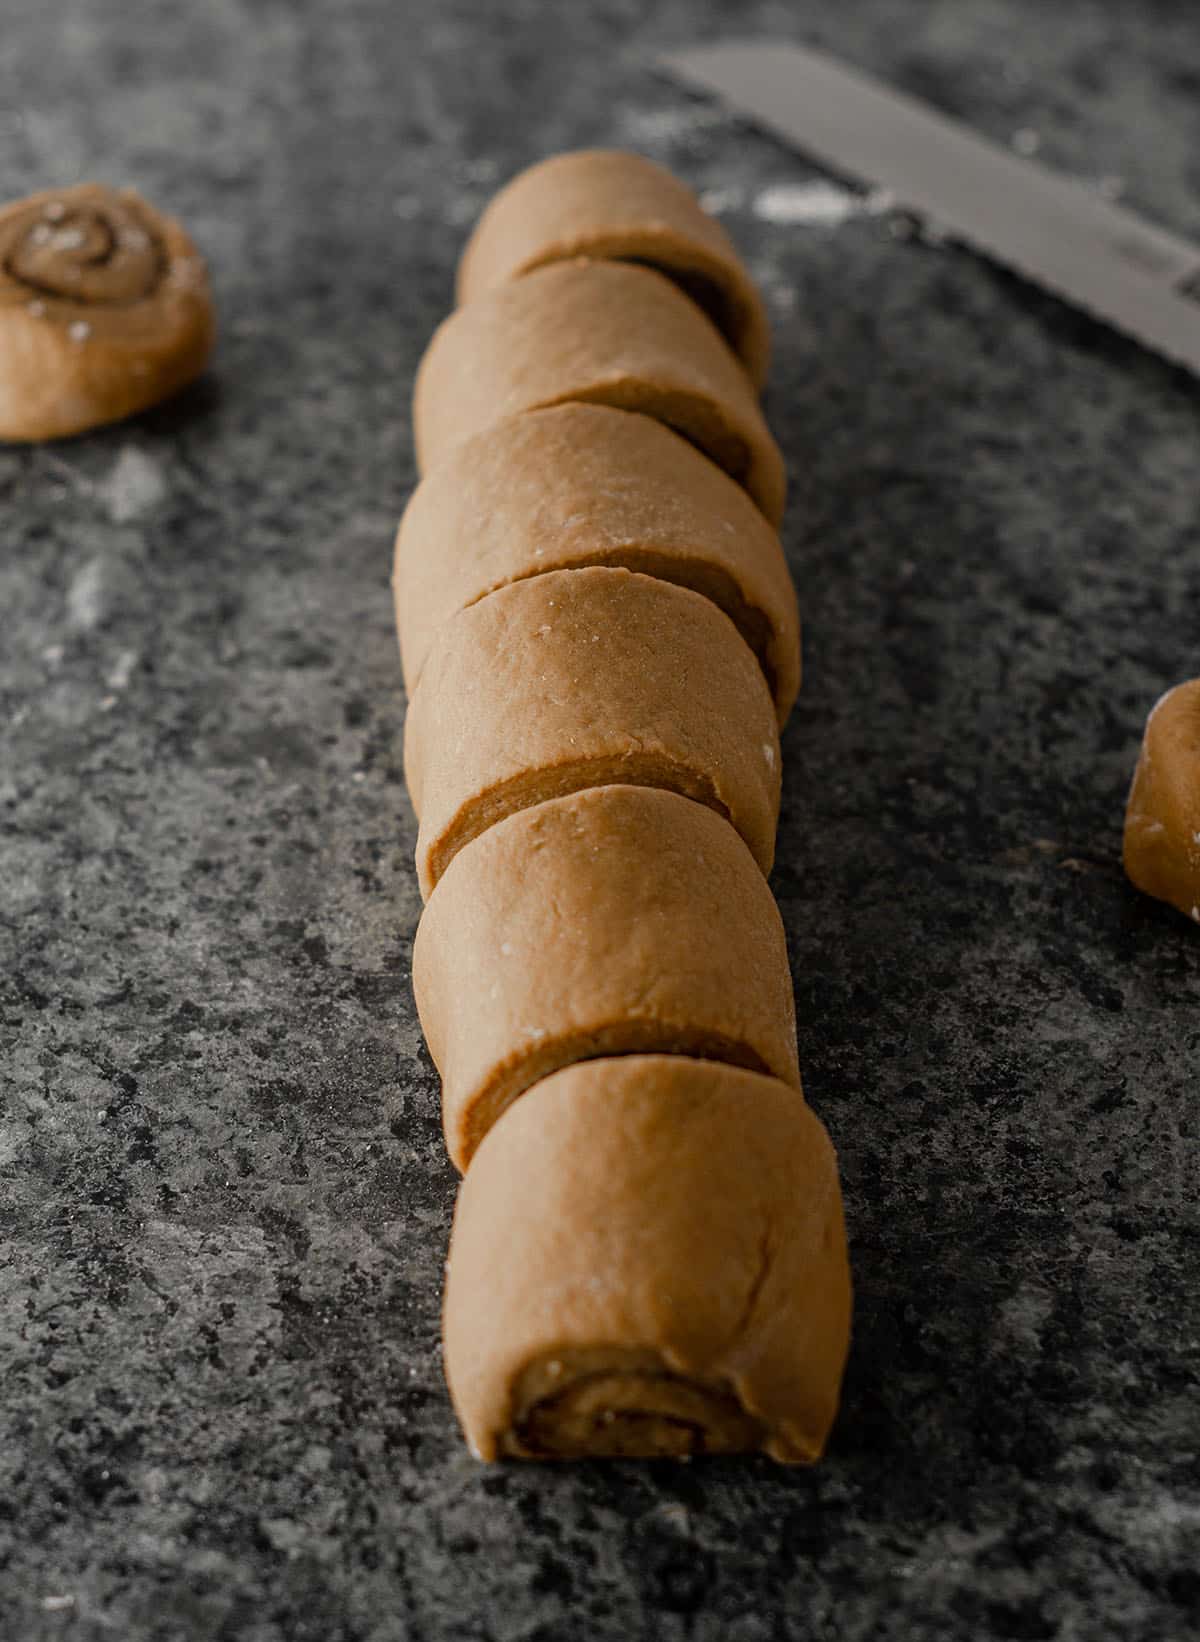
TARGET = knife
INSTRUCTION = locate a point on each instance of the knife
(1136, 277)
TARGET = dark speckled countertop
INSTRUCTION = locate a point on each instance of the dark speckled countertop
(223, 1197)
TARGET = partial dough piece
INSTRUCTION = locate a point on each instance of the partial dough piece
(649, 1258)
(104, 310)
(616, 206)
(615, 921)
(583, 678)
(1162, 820)
(580, 485)
(603, 333)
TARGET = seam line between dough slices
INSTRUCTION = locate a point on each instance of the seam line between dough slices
(605, 1043)
(609, 770)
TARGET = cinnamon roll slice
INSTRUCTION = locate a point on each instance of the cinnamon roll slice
(579, 485)
(1162, 819)
(620, 920)
(105, 309)
(602, 333)
(583, 678)
(648, 1259)
(616, 206)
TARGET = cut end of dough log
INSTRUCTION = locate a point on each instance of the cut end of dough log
(104, 310)
(649, 1259)
(619, 1404)
(617, 206)
(1162, 818)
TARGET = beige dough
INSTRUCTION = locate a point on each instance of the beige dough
(649, 1258)
(617, 920)
(581, 485)
(600, 640)
(1162, 820)
(616, 206)
(582, 678)
(603, 333)
(104, 310)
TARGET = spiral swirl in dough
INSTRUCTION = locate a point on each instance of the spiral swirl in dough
(104, 310)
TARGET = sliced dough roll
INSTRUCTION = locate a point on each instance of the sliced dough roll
(649, 1258)
(1162, 820)
(615, 921)
(579, 485)
(583, 678)
(618, 207)
(604, 333)
(104, 310)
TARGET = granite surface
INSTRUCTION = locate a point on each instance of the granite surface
(223, 1196)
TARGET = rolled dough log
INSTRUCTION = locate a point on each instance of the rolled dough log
(1162, 819)
(615, 206)
(613, 921)
(583, 678)
(104, 310)
(579, 485)
(649, 1258)
(603, 333)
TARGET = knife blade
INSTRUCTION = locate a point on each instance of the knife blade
(1047, 227)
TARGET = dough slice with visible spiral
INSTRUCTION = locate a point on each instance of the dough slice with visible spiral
(649, 1258)
(105, 309)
